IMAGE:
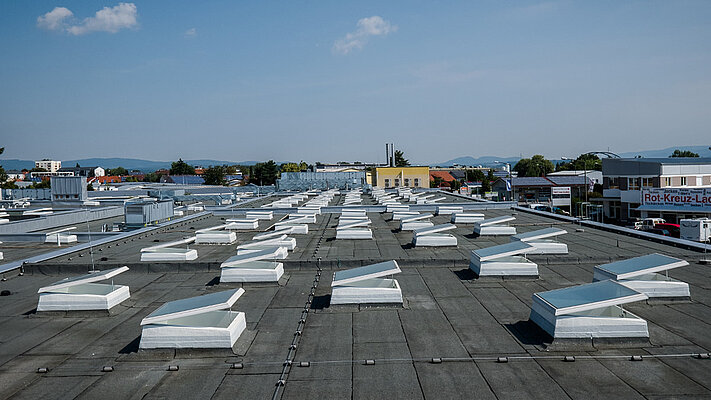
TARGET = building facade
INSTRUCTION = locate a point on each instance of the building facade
(669, 188)
(68, 188)
(534, 189)
(49, 165)
(390, 177)
(321, 180)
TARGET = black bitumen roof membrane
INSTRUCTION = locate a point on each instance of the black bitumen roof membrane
(443, 342)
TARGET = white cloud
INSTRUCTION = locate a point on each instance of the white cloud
(108, 19)
(55, 19)
(191, 32)
(111, 20)
(366, 27)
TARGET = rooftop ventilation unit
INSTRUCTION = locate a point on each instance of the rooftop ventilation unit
(61, 236)
(416, 222)
(82, 293)
(432, 236)
(241, 224)
(397, 207)
(278, 231)
(447, 210)
(466, 218)
(346, 213)
(504, 260)
(431, 201)
(278, 241)
(166, 251)
(400, 215)
(254, 265)
(643, 274)
(215, 235)
(353, 229)
(420, 198)
(540, 240)
(493, 227)
(589, 311)
(366, 285)
(265, 215)
(197, 322)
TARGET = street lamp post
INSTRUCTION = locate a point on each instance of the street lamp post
(585, 174)
(511, 184)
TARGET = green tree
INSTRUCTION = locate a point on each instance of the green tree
(265, 173)
(436, 182)
(400, 160)
(455, 185)
(89, 187)
(3, 174)
(534, 166)
(180, 167)
(475, 175)
(584, 161)
(683, 153)
(486, 183)
(43, 184)
(151, 177)
(215, 175)
(118, 171)
(290, 167)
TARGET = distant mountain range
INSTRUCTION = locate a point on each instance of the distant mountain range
(702, 151)
(484, 161)
(149, 166)
(488, 161)
(128, 163)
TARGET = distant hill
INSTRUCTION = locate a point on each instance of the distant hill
(128, 163)
(490, 161)
(485, 161)
(702, 151)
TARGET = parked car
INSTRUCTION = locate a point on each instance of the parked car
(674, 229)
(657, 231)
(649, 223)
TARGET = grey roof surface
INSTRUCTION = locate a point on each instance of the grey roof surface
(446, 314)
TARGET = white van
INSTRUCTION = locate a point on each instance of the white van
(698, 230)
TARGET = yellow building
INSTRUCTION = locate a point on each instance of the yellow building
(389, 177)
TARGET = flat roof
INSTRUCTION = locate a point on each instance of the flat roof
(447, 314)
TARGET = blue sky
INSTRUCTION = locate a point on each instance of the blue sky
(332, 80)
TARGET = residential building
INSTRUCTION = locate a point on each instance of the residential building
(15, 175)
(389, 177)
(49, 165)
(670, 188)
(84, 171)
(444, 177)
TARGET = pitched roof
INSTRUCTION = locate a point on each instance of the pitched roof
(444, 175)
